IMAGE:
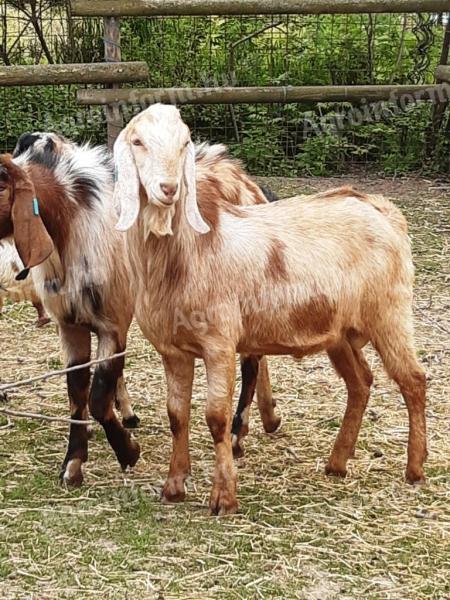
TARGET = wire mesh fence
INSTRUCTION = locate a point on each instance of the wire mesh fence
(288, 139)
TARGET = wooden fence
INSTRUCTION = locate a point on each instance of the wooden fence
(162, 8)
(114, 9)
(114, 72)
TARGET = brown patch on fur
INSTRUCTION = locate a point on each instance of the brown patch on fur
(344, 191)
(212, 201)
(379, 203)
(317, 316)
(229, 177)
(217, 425)
(174, 269)
(56, 211)
(6, 198)
(276, 262)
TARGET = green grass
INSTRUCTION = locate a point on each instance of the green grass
(298, 534)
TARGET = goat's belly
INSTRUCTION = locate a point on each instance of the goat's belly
(297, 350)
(301, 330)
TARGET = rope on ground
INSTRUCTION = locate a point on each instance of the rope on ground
(51, 374)
(40, 417)
(26, 415)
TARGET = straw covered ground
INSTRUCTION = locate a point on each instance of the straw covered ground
(298, 534)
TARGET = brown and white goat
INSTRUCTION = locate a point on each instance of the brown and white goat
(331, 272)
(17, 291)
(57, 206)
(74, 188)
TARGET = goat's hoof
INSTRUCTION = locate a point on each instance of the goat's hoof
(174, 490)
(238, 450)
(272, 426)
(71, 474)
(132, 456)
(42, 322)
(223, 501)
(415, 477)
(131, 422)
(335, 471)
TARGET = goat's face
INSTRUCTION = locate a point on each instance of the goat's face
(155, 151)
(20, 216)
(159, 145)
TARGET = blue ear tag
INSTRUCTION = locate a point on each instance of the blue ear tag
(36, 207)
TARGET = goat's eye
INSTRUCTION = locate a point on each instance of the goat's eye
(137, 142)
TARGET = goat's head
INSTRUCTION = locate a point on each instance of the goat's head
(156, 151)
(42, 142)
(20, 216)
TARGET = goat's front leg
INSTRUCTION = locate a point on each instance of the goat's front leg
(76, 343)
(180, 375)
(221, 373)
(101, 402)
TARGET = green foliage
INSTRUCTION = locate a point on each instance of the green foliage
(259, 51)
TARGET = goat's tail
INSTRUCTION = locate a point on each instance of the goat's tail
(380, 203)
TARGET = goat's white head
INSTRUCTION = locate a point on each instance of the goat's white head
(155, 150)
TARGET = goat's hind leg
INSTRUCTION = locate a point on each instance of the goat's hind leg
(76, 344)
(123, 402)
(351, 365)
(101, 402)
(240, 426)
(255, 376)
(266, 402)
(399, 358)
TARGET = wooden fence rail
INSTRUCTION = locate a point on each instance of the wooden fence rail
(101, 73)
(265, 95)
(443, 73)
(141, 8)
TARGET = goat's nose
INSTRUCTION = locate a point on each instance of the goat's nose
(169, 189)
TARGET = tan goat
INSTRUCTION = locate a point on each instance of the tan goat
(331, 272)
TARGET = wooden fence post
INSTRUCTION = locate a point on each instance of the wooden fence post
(439, 109)
(113, 54)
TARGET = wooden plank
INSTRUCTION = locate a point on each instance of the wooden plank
(136, 8)
(73, 73)
(443, 73)
(113, 55)
(264, 95)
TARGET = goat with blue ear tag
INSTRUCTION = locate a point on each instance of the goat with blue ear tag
(56, 204)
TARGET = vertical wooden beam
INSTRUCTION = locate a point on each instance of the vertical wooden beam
(439, 109)
(113, 54)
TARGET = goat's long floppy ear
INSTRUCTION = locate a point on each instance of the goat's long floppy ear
(126, 190)
(32, 240)
(193, 215)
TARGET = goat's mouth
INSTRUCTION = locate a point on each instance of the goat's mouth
(166, 203)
